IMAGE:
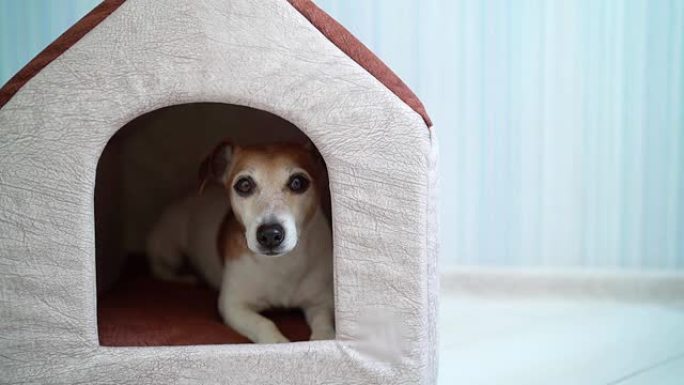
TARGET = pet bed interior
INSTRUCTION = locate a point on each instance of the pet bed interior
(149, 163)
(142, 311)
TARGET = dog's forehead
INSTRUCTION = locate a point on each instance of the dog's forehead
(272, 159)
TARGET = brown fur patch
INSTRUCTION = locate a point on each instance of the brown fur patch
(231, 241)
(271, 154)
(213, 166)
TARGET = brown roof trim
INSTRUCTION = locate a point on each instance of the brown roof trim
(58, 47)
(358, 52)
(330, 28)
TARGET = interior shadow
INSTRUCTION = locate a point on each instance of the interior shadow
(149, 163)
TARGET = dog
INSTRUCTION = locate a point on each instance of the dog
(258, 233)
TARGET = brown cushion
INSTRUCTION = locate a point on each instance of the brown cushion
(143, 311)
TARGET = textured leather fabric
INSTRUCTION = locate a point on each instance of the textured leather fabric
(262, 54)
(345, 41)
(321, 20)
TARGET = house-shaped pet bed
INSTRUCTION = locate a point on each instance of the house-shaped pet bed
(159, 82)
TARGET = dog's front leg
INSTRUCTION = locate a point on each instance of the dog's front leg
(320, 319)
(249, 322)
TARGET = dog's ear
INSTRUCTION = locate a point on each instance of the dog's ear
(216, 165)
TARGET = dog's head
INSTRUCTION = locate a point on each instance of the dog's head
(273, 190)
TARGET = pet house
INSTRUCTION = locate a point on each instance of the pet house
(138, 66)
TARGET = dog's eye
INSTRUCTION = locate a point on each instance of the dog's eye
(298, 183)
(244, 186)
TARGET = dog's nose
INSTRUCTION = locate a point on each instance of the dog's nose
(270, 235)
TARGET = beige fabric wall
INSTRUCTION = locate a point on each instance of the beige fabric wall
(259, 53)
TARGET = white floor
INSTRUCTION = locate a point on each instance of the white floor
(522, 336)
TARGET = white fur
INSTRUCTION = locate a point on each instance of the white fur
(188, 229)
(249, 283)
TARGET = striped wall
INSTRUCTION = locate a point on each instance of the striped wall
(561, 122)
(28, 26)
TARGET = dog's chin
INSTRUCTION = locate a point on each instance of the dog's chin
(271, 253)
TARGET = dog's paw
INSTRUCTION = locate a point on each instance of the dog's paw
(271, 338)
(325, 334)
(280, 340)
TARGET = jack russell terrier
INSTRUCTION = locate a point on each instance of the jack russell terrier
(260, 237)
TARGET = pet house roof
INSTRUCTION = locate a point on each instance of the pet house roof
(330, 28)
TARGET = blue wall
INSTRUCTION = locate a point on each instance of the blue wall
(28, 26)
(561, 123)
